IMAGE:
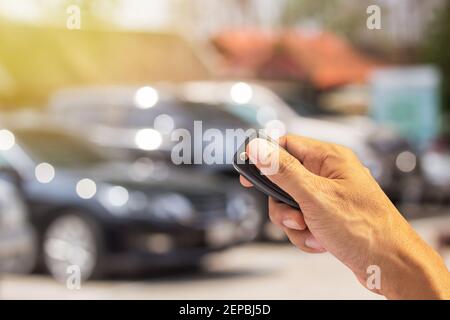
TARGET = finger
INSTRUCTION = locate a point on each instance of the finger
(303, 147)
(245, 182)
(320, 158)
(304, 240)
(285, 216)
(281, 168)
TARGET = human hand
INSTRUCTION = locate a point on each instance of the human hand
(345, 212)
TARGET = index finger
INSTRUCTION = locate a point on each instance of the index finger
(245, 182)
(302, 147)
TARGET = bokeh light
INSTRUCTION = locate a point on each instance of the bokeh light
(164, 123)
(146, 97)
(118, 196)
(148, 139)
(86, 188)
(406, 161)
(7, 140)
(44, 172)
(241, 93)
(141, 169)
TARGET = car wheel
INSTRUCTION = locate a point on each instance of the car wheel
(71, 243)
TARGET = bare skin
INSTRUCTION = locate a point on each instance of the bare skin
(345, 212)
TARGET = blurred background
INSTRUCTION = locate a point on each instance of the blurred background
(91, 91)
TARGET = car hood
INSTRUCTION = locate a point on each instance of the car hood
(160, 179)
(362, 124)
(160, 176)
(381, 136)
(348, 135)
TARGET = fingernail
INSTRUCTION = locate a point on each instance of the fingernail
(312, 243)
(260, 150)
(292, 224)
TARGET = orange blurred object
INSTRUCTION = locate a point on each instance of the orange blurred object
(322, 58)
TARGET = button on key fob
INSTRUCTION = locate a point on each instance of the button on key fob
(248, 170)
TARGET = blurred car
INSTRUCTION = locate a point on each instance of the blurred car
(435, 166)
(116, 115)
(123, 111)
(143, 118)
(114, 118)
(17, 242)
(389, 157)
(107, 217)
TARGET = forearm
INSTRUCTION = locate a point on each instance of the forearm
(410, 269)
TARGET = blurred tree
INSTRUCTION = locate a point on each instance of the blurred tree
(436, 50)
(343, 17)
(338, 15)
(402, 23)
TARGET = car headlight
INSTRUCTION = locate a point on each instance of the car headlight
(240, 206)
(162, 206)
(172, 207)
(221, 233)
(120, 201)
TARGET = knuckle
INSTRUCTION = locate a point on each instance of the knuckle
(286, 166)
(288, 136)
(340, 152)
(347, 152)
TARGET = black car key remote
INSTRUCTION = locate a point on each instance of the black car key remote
(248, 170)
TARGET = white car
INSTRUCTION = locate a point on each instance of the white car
(385, 153)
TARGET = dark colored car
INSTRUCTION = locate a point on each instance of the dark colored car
(17, 250)
(117, 116)
(104, 216)
(391, 160)
(119, 119)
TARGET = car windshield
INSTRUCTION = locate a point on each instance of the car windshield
(57, 148)
(184, 113)
(247, 113)
(307, 109)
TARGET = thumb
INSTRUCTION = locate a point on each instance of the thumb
(280, 167)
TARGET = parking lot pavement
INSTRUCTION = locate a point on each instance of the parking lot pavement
(255, 271)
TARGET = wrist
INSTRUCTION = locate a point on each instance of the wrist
(409, 268)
